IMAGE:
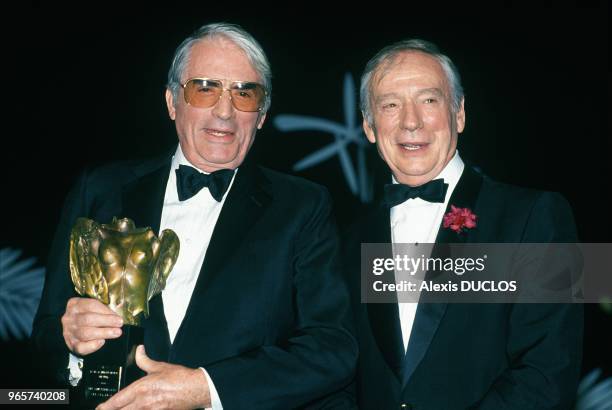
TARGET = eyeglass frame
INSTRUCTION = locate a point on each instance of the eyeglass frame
(225, 89)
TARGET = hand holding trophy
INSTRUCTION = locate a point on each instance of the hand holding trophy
(123, 267)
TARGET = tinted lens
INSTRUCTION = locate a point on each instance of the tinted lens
(247, 96)
(202, 93)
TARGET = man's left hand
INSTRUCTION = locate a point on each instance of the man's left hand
(165, 386)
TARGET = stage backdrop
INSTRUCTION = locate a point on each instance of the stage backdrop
(89, 89)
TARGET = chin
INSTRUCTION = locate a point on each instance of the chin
(415, 172)
(220, 157)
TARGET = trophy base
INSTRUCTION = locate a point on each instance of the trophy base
(111, 368)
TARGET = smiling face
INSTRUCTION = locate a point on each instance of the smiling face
(218, 137)
(415, 128)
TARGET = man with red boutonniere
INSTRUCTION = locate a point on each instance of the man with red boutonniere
(446, 355)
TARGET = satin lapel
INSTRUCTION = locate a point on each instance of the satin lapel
(384, 317)
(244, 205)
(429, 315)
(143, 201)
(464, 195)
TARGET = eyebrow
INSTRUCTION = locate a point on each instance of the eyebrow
(387, 95)
(246, 85)
(432, 90)
(242, 83)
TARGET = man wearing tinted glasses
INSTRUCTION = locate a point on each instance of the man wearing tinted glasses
(254, 313)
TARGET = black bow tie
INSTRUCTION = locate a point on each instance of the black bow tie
(189, 181)
(432, 191)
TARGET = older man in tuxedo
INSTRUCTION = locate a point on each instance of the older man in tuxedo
(255, 313)
(444, 355)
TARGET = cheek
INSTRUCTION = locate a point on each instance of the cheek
(385, 130)
(187, 120)
(247, 127)
(435, 119)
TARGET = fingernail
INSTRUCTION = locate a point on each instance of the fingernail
(117, 332)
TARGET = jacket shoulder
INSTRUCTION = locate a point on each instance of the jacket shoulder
(297, 189)
(537, 215)
(114, 175)
(521, 198)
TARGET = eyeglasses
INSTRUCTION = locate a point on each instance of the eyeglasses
(206, 92)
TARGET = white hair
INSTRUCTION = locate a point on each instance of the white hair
(238, 36)
(389, 53)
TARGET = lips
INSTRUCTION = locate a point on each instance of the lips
(218, 132)
(219, 135)
(416, 146)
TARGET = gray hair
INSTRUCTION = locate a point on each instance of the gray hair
(389, 53)
(235, 34)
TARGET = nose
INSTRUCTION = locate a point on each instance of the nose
(411, 117)
(224, 109)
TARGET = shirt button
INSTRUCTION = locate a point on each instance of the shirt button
(405, 406)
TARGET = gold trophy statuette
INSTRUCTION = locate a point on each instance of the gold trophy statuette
(123, 267)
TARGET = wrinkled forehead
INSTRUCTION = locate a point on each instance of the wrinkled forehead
(409, 67)
(221, 58)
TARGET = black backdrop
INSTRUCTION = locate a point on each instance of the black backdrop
(87, 88)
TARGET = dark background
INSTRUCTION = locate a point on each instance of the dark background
(86, 87)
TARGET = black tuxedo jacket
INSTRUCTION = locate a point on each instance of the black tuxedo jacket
(269, 316)
(485, 356)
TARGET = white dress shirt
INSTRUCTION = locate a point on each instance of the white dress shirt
(193, 220)
(418, 221)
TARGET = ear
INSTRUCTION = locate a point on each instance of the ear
(460, 116)
(170, 104)
(261, 120)
(369, 132)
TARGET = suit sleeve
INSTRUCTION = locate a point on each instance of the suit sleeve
(545, 340)
(319, 356)
(47, 339)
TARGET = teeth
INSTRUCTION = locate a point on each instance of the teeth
(218, 133)
(411, 147)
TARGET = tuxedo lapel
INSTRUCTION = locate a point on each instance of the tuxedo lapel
(142, 201)
(244, 205)
(429, 315)
(384, 317)
(464, 195)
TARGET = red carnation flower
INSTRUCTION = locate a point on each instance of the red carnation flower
(459, 219)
